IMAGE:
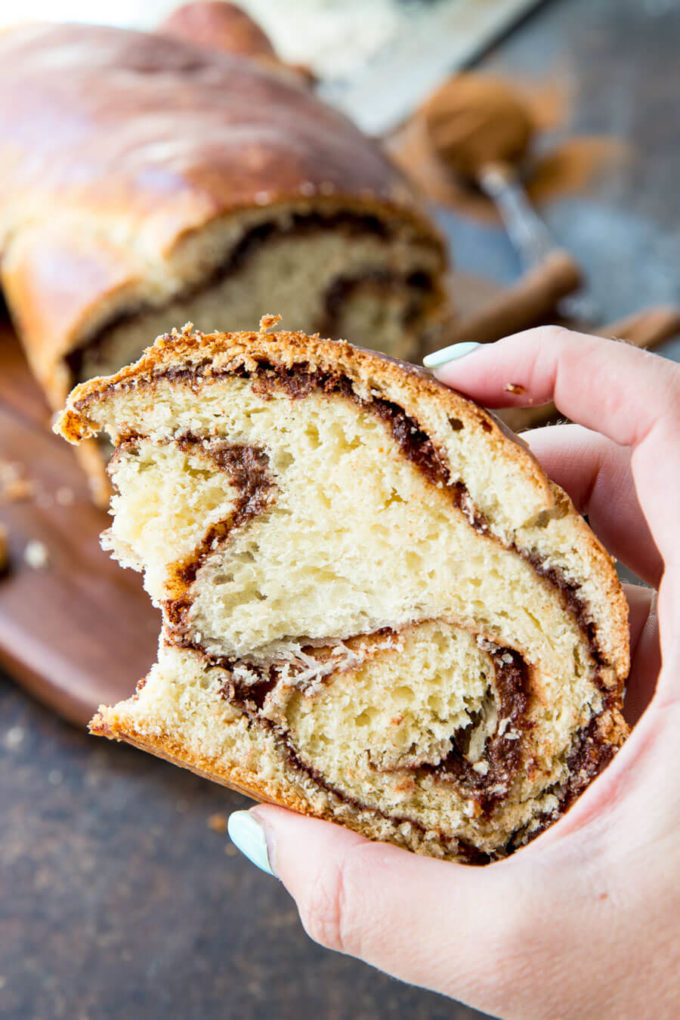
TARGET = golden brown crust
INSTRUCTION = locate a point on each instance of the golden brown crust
(164, 745)
(598, 744)
(224, 27)
(187, 349)
(219, 26)
(105, 724)
(118, 148)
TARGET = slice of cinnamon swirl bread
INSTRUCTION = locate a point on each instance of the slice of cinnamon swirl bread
(376, 607)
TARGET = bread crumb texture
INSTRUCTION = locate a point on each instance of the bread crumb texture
(377, 609)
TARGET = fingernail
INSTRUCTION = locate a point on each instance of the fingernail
(247, 835)
(452, 353)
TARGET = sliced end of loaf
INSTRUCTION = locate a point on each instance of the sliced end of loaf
(376, 606)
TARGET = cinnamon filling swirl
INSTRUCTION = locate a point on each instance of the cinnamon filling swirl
(249, 475)
(479, 748)
(417, 285)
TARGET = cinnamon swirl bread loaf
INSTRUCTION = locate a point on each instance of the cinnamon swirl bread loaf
(376, 607)
(145, 180)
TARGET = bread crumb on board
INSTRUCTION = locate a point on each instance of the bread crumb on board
(36, 555)
(14, 487)
(217, 822)
(65, 496)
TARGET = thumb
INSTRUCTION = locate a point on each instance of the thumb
(448, 927)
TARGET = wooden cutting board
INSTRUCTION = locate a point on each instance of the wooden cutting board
(80, 630)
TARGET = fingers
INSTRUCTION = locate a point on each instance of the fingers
(426, 921)
(605, 385)
(597, 475)
(628, 395)
(645, 653)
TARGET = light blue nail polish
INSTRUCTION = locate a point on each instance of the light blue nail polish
(248, 836)
(452, 353)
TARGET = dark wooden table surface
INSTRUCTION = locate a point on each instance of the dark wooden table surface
(117, 899)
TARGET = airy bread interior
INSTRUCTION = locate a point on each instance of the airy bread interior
(376, 607)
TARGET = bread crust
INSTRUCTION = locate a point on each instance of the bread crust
(611, 728)
(221, 26)
(106, 724)
(290, 361)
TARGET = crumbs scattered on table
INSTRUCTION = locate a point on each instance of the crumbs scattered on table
(36, 555)
(14, 486)
(217, 822)
(13, 738)
(65, 496)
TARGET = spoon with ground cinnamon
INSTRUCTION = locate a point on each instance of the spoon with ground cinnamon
(481, 130)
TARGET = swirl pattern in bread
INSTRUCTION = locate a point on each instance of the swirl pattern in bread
(376, 607)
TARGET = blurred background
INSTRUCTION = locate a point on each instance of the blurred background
(121, 895)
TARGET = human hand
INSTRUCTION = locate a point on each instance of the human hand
(583, 921)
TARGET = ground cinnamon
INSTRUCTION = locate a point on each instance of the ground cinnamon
(472, 121)
(567, 167)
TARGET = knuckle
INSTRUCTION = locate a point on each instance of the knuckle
(550, 334)
(512, 946)
(328, 913)
(558, 333)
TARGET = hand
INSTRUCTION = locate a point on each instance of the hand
(583, 922)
